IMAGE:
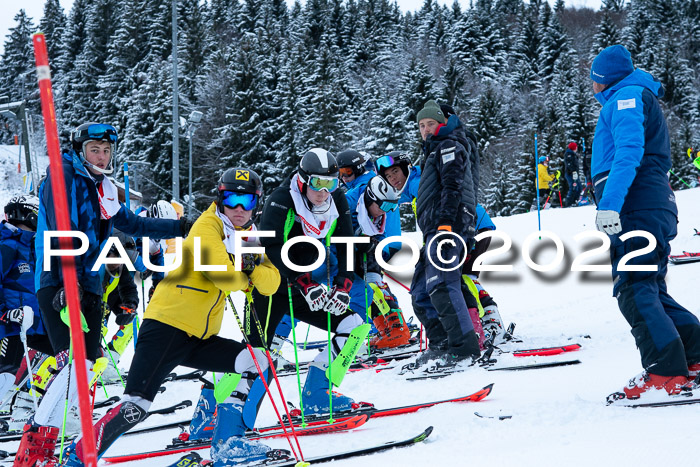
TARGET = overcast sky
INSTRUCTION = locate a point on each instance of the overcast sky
(35, 10)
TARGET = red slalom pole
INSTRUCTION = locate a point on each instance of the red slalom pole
(396, 280)
(70, 278)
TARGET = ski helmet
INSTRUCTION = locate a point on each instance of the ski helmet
(394, 158)
(318, 169)
(353, 160)
(23, 209)
(127, 242)
(379, 191)
(542, 159)
(92, 131)
(240, 186)
(162, 210)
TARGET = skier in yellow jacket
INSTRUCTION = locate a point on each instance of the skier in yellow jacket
(183, 319)
(544, 178)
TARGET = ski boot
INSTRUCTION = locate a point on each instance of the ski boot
(492, 325)
(647, 383)
(393, 331)
(204, 418)
(229, 446)
(37, 447)
(315, 394)
(22, 409)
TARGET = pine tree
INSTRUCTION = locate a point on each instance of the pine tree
(53, 25)
(606, 36)
(17, 67)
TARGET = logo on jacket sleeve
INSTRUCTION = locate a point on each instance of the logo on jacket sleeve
(623, 104)
(24, 268)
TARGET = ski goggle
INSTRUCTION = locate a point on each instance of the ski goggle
(317, 183)
(387, 206)
(247, 201)
(384, 162)
(99, 132)
(346, 171)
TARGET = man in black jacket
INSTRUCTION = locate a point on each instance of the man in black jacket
(309, 205)
(446, 211)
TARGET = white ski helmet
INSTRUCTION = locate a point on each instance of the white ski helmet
(379, 191)
(163, 210)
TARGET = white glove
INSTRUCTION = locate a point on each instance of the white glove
(608, 222)
(338, 301)
(28, 319)
(23, 316)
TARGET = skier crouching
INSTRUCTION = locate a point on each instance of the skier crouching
(183, 319)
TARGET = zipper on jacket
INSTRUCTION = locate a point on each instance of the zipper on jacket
(601, 180)
(190, 288)
(206, 329)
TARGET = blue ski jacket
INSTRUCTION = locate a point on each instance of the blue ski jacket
(84, 211)
(17, 263)
(631, 148)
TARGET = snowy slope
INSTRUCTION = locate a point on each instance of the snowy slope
(559, 414)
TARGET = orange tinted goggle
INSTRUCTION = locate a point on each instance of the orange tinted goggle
(345, 171)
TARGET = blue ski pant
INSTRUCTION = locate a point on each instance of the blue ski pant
(667, 334)
(438, 300)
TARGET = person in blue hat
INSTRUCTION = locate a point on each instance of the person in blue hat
(630, 162)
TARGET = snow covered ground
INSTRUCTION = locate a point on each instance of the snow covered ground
(559, 417)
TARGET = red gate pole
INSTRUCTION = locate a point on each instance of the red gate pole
(70, 278)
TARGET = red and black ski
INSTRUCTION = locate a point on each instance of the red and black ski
(345, 424)
(686, 257)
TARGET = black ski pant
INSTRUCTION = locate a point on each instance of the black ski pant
(161, 347)
(12, 351)
(667, 334)
(59, 333)
(281, 306)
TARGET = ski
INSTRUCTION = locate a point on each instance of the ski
(17, 435)
(329, 457)
(180, 446)
(686, 257)
(388, 412)
(106, 403)
(546, 351)
(669, 403)
(534, 366)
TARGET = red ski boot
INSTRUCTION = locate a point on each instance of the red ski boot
(646, 382)
(393, 331)
(37, 447)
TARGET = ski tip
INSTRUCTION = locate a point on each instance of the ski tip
(422, 437)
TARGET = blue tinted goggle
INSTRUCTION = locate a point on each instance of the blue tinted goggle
(319, 183)
(100, 132)
(387, 206)
(384, 162)
(247, 201)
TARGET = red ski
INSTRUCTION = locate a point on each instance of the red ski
(686, 257)
(546, 351)
(347, 423)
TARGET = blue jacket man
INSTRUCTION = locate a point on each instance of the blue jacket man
(631, 159)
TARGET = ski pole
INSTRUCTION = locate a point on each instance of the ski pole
(679, 178)
(294, 340)
(23, 338)
(330, 348)
(109, 352)
(397, 281)
(262, 377)
(364, 279)
(537, 187)
(253, 312)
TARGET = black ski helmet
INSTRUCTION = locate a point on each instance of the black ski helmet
(23, 209)
(93, 131)
(379, 191)
(353, 159)
(127, 242)
(240, 180)
(399, 158)
(319, 162)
